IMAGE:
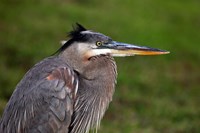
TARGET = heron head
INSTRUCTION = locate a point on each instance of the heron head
(90, 44)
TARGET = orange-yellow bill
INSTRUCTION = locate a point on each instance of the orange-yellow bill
(123, 49)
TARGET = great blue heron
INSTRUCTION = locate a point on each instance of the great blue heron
(70, 91)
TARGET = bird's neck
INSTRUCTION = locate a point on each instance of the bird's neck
(100, 75)
(95, 92)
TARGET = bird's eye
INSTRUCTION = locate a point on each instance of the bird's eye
(98, 43)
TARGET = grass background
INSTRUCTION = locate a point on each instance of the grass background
(154, 94)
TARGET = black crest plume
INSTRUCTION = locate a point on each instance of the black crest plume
(76, 30)
(75, 35)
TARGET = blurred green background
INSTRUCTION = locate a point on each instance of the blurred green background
(154, 94)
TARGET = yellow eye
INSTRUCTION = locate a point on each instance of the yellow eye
(98, 43)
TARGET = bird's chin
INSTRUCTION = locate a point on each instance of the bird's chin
(94, 53)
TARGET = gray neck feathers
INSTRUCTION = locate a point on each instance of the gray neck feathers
(95, 92)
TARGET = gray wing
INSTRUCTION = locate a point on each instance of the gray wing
(46, 106)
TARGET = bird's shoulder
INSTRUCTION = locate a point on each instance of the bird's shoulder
(49, 70)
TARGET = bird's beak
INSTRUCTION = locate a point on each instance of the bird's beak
(123, 49)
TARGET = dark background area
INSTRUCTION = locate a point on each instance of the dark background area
(154, 94)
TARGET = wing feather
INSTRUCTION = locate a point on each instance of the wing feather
(46, 106)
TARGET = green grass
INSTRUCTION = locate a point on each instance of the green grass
(154, 93)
